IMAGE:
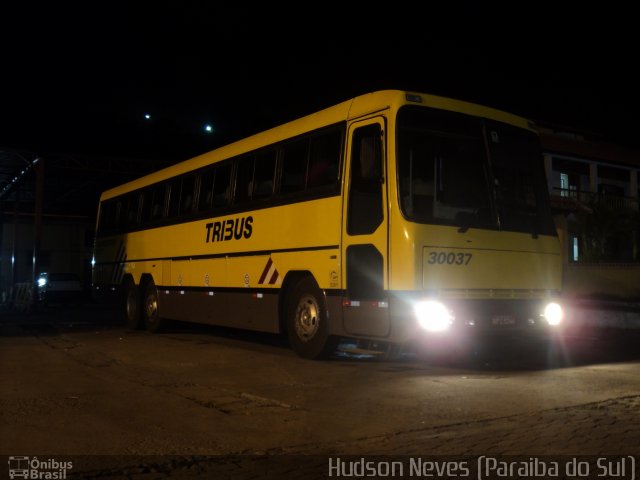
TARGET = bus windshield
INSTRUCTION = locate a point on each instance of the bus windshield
(463, 171)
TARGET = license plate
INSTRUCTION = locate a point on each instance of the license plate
(499, 320)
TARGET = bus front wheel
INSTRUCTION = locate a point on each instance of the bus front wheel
(307, 321)
(152, 319)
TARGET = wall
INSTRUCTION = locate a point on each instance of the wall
(65, 246)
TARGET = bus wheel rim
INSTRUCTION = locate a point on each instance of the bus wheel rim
(307, 319)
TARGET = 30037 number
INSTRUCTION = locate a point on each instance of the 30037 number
(449, 258)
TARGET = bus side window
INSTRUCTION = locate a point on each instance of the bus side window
(187, 194)
(324, 160)
(117, 213)
(206, 190)
(174, 197)
(365, 193)
(123, 219)
(157, 202)
(145, 207)
(132, 203)
(244, 180)
(222, 186)
(264, 174)
(294, 166)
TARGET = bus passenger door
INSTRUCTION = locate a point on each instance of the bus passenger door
(364, 231)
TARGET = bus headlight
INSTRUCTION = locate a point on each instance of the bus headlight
(433, 316)
(553, 313)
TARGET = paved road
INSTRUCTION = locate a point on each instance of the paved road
(77, 383)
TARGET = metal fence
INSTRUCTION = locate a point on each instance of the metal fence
(589, 198)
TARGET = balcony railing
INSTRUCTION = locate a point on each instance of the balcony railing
(615, 202)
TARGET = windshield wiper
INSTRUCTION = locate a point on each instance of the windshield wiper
(464, 220)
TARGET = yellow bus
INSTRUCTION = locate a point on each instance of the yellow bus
(390, 218)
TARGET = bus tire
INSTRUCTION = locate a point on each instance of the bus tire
(150, 313)
(131, 305)
(307, 321)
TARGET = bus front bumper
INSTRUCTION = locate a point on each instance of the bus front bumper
(446, 323)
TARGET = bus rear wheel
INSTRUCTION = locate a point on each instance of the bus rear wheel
(307, 321)
(131, 305)
(150, 312)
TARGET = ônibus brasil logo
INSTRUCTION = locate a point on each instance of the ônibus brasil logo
(33, 468)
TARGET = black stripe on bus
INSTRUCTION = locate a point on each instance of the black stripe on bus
(329, 292)
(228, 254)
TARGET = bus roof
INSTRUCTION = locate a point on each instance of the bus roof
(350, 109)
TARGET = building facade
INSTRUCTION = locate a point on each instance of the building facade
(595, 197)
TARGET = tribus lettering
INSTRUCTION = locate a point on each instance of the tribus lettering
(230, 229)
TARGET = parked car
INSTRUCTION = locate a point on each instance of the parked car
(59, 287)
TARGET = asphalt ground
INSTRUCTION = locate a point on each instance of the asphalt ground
(200, 401)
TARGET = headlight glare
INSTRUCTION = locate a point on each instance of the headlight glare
(42, 282)
(553, 314)
(433, 316)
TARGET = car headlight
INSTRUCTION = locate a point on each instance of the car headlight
(42, 282)
(553, 313)
(433, 316)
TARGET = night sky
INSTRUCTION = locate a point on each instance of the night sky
(78, 79)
